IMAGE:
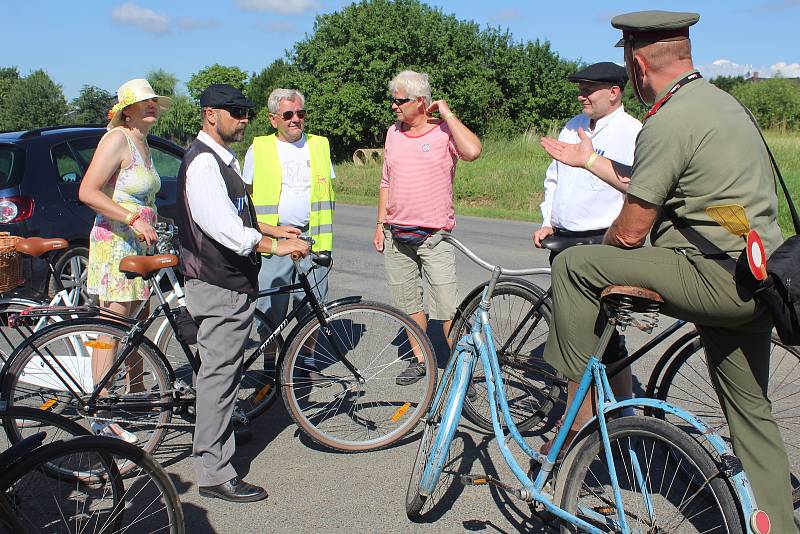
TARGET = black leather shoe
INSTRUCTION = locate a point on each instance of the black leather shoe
(234, 490)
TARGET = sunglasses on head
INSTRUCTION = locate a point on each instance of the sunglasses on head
(400, 101)
(239, 113)
(287, 115)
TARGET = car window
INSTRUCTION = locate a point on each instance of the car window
(11, 165)
(166, 163)
(67, 167)
(84, 149)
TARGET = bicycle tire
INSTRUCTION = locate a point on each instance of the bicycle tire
(698, 395)
(30, 382)
(418, 505)
(143, 501)
(532, 386)
(673, 466)
(258, 387)
(377, 413)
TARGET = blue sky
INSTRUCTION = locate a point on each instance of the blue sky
(106, 42)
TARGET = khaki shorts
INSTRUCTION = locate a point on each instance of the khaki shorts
(407, 266)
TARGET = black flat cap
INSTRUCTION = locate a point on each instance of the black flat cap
(645, 27)
(223, 95)
(605, 72)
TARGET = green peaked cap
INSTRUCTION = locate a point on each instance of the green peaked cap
(654, 26)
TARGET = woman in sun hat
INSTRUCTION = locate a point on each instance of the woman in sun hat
(121, 185)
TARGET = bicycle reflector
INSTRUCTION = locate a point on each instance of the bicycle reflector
(760, 522)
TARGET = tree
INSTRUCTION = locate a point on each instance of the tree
(215, 73)
(162, 82)
(262, 84)
(491, 82)
(727, 83)
(33, 102)
(8, 77)
(181, 122)
(774, 102)
(91, 106)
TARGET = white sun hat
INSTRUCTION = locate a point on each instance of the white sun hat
(131, 92)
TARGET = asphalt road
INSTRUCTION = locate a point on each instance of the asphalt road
(314, 490)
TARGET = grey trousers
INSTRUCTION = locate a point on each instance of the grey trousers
(278, 271)
(224, 318)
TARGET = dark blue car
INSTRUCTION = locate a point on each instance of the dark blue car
(40, 173)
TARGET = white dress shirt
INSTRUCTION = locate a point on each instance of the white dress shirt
(574, 198)
(211, 207)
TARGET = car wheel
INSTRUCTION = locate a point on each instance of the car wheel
(71, 270)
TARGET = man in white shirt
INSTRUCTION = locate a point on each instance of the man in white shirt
(289, 175)
(578, 207)
(220, 245)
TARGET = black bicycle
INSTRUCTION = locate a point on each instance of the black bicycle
(60, 479)
(337, 367)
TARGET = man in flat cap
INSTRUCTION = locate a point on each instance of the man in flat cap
(220, 243)
(578, 207)
(698, 148)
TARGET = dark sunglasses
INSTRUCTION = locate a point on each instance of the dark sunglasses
(239, 113)
(287, 115)
(400, 101)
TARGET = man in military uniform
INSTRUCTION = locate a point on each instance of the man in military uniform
(698, 148)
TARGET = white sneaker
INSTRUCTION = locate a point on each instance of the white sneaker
(112, 430)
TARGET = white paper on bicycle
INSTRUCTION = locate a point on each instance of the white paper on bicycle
(73, 355)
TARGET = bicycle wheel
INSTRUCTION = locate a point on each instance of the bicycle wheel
(330, 405)
(667, 481)
(418, 505)
(30, 421)
(532, 386)
(138, 398)
(75, 486)
(257, 389)
(687, 383)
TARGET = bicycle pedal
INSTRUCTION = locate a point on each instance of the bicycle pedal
(475, 480)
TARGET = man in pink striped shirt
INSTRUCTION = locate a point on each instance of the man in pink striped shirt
(416, 200)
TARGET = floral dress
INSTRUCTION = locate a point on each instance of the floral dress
(134, 189)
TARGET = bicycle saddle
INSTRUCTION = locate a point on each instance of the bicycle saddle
(146, 266)
(640, 296)
(36, 246)
(558, 244)
(21, 448)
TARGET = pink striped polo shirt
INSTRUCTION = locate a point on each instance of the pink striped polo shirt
(419, 172)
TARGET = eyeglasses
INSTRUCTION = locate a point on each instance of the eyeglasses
(287, 115)
(239, 113)
(400, 101)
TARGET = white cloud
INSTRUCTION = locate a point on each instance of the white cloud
(286, 7)
(726, 67)
(145, 19)
(786, 70)
(189, 23)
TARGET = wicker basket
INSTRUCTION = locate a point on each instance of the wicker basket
(10, 263)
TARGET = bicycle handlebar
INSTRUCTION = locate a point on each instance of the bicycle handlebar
(437, 238)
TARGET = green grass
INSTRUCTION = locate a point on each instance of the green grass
(506, 182)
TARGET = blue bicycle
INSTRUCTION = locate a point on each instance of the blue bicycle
(619, 474)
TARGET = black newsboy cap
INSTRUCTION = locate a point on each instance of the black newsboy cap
(605, 72)
(223, 95)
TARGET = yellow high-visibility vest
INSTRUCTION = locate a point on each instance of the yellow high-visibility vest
(267, 180)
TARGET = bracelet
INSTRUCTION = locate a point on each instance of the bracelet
(128, 217)
(380, 223)
(273, 246)
(451, 114)
(590, 161)
(133, 219)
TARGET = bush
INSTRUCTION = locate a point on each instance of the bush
(34, 101)
(774, 102)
